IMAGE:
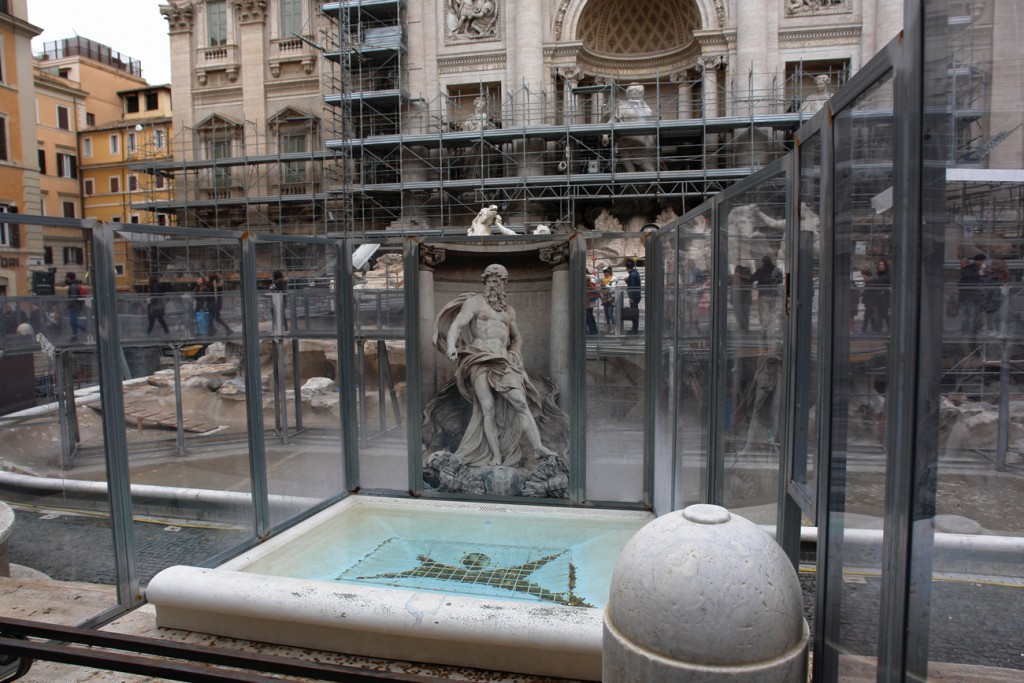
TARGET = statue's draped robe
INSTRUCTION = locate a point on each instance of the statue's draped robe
(503, 375)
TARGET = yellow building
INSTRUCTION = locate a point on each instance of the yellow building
(21, 246)
(122, 121)
(113, 150)
(60, 114)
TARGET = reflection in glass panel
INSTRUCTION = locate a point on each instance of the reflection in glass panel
(614, 347)
(861, 345)
(751, 226)
(978, 481)
(807, 300)
(693, 363)
(667, 400)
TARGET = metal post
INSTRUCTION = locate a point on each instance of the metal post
(297, 378)
(112, 402)
(61, 385)
(254, 388)
(345, 331)
(178, 412)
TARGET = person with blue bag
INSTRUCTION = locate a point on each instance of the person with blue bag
(201, 295)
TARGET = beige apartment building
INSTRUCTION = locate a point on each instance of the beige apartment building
(21, 246)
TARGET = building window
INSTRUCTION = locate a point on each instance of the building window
(8, 233)
(115, 144)
(90, 119)
(152, 101)
(294, 171)
(87, 187)
(131, 104)
(69, 209)
(133, 182)
(158, 182)
(48, 256)
(221, 149)
(42, 162)
(161, 219)
(3, 138)
(217, 22)
(159, 139)
(87, 148)
(133, 143)
(67, 166)
(74, 256)
(134, 218)
(63, 118)
(115, 184)
(291, 17)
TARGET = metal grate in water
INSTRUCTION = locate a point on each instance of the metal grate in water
(535, 573)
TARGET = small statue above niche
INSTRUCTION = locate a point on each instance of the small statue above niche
(487, 221)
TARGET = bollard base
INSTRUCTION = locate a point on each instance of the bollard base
(624, 662)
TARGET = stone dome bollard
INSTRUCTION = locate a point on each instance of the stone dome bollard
(704, 595)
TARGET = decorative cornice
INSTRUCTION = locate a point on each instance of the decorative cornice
(480, 61)
(179, 17)
(289, 84)
(217, 95)
(251, 11)
(839, 34)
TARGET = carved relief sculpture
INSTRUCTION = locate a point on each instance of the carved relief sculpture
(812, 6)
(514, 439)
(472, 18)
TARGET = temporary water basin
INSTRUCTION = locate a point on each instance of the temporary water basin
(509, 588)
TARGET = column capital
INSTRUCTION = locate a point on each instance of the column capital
(555, 255)
(179, 17)
(251, 11)
(431, 256)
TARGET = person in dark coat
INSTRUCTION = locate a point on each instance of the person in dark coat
(156, 305)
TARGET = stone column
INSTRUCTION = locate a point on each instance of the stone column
(252, 44)
(429, 257)
(708, 66)
(685, 95)
(558, 353)
(179, 27)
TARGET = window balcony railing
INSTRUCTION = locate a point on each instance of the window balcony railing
(217, 58)
(291, 50)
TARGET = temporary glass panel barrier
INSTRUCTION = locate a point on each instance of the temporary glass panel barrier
(862, 195)
(299, 360)
(614, 347)
(693, 378)
(751, 228)
(807, 308)
(968, 557)
(666, 401)
(380, 353)
(57, 511)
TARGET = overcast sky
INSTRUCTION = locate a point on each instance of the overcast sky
(135, 28)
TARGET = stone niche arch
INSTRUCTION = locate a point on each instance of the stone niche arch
(632, 36)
